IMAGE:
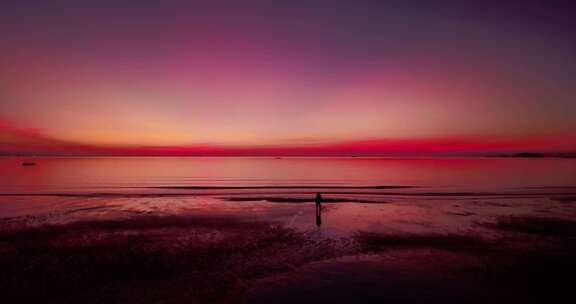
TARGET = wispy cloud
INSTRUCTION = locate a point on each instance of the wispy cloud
(18, 140)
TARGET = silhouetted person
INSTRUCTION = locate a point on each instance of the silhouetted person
(318, 209)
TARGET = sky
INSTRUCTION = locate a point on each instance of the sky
(287, 77)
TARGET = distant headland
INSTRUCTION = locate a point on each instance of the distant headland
(537, 155)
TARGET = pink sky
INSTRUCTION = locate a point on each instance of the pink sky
(287, 79)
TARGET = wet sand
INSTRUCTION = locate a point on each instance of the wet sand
(267, 248)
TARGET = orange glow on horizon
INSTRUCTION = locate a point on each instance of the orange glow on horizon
(251, 78)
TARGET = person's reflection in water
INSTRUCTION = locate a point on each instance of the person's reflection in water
(318, 209)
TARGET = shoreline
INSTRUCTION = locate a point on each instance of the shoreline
(225, 259)
(262, 247)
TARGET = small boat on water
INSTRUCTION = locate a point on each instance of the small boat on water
(28, 164)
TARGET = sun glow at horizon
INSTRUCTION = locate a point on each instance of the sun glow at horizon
(243, 75)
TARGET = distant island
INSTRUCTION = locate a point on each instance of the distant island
(528, 155)
(536, 155)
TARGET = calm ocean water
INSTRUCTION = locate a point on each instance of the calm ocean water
(365, 194)
(299, 174)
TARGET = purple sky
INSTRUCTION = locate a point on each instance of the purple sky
(179, 75)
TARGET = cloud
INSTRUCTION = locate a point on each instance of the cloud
(15, 139)
(18, 140)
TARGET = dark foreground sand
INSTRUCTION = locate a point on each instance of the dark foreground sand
(231, 257)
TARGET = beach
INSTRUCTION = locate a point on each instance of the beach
(246, 230)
